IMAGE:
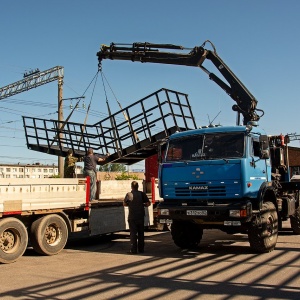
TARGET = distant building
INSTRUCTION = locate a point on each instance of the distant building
(28, 171)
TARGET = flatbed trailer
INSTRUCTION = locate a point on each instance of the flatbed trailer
(45, 212)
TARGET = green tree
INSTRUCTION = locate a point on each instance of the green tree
(112, 168)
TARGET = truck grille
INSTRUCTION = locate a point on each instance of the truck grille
(224, 190)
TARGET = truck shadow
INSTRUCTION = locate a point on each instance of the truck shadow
(214, 241)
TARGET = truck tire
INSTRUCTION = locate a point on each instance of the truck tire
(263, 234)
(49, 234)
(186, 235)
(13, 240)
(295, 221)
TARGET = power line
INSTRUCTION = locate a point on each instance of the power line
(11, 146)
(2, 136)
(10, 128)
(21, 119)
(26, 158)
(27, 102)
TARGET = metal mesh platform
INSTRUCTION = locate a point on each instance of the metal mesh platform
(129, 135)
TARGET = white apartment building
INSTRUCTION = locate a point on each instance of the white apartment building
(28, 171)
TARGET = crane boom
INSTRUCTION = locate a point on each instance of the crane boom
(194, 57)
(31, 81)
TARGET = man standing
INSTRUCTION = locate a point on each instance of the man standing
(70, 165)
(136, 201)
(90, 163)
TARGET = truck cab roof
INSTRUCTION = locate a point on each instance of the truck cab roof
(217, 129)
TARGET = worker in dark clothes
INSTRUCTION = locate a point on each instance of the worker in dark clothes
(90, 163)
(136, 201)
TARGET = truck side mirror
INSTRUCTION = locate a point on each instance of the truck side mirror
(264, 154)
(159, 159)
(264, 147)
(161, 151)
(287, 139)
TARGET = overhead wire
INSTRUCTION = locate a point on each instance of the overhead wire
(13, 121)
(67, 119)
(28, 102)
(75, 106)
(41, 104)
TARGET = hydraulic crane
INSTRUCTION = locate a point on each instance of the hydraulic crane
(232, 178)
(149, 52)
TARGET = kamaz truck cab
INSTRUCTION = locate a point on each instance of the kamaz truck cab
(212, 165)
(229, 178)
(213, 178)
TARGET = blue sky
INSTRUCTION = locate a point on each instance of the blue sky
(258, 40)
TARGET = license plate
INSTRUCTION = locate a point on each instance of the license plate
(165, 221)
(196, 212)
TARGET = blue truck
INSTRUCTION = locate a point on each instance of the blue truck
(233, 178)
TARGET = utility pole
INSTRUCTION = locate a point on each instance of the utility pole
(60, 119)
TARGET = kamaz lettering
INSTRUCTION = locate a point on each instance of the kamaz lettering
(203, 187)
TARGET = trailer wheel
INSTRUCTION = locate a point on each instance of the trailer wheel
(49, 234)
(295, 221)
(185, 234)
(263, 234)
(13, 240)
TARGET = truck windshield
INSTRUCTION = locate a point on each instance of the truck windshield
(205, 147)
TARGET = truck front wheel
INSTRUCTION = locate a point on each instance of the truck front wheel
(49, 234)
(295, 221)
(264, 232)
(185, 234)
(13, 240)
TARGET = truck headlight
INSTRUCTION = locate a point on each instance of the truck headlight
(163, 212)
(234, 213)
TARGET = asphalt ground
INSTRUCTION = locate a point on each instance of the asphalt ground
(222, 267)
